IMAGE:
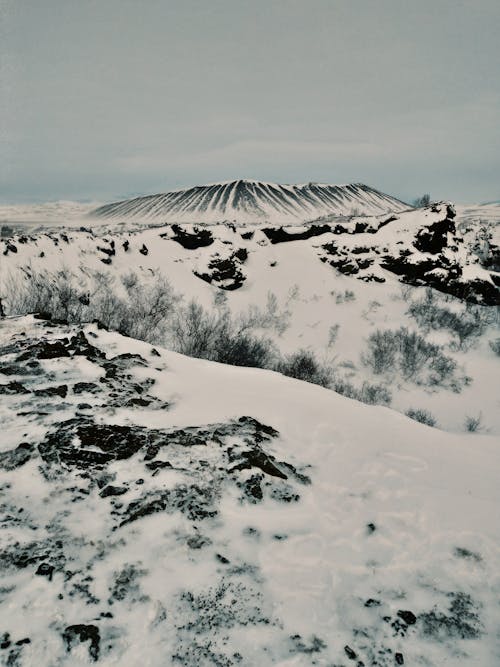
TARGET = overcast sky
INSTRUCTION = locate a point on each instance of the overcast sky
(103, 99)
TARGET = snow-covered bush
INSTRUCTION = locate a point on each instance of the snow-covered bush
(422, 416)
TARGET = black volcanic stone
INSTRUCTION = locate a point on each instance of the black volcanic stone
(61, 390)
(75, 634)
(407, 616)
(45, 570)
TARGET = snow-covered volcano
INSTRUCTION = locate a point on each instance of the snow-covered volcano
(247, 201)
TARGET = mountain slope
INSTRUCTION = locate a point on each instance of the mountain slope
(150, 520)
(247, 201)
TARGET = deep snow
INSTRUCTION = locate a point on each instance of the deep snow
(390, 553)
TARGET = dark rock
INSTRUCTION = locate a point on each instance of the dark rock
(80, 345)
(14, 458)
(158, 465)
(193, 501)
(13, 388)
(45, 350)
(407, 616)
(199, 238)
(98, 443)
(143, 250)
(43, 315)
(74, 634)
(106, 260)
(110, 252)
(252, 488)
(285, 494)
(21, 642)
(222, 559)
(155, 352)
(372, 603)
(9, 247)
(281, 235)
(45, 570)
(81, 387)
(398, 657)
(371, 527)
(256, 458)
(126, 245)
(111, 490)
(350, 653)
(433, 238)
(60, 390)
(226, 273)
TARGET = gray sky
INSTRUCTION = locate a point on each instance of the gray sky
(103, 99)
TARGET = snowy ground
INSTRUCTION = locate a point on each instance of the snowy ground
(326, 312)
(317, 531)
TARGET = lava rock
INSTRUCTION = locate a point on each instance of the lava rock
(74, 634)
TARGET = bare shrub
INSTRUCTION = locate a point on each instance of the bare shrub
(270, 317)
(303, 365)
(333, 333)
(422, 416)
(410, 354)
(345, 297)
(372, 394)
(44, 292)
(422, 201)
(140, 311)
(466, 326)
(217, 336)
(473, 424)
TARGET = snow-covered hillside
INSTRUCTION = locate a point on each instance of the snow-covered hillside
(334, 287)
(247, 201)
(160, 510)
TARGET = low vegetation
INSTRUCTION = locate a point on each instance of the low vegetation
(422, 416)
(466, 326)
(411, 356)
